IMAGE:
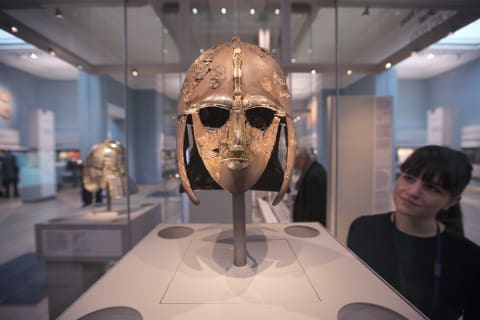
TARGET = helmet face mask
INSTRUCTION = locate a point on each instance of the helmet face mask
(234, 98)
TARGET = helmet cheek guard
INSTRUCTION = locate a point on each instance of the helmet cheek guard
(234, 102)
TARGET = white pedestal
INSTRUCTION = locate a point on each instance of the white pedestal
(77, 249)
(286, 277)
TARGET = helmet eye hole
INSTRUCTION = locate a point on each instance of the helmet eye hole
(214, 117)
(260, 118)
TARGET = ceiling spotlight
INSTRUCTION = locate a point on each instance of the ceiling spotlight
(313, 71)
(293, 60)
(252, 11)
(14, 29)
(349, 72)
(413, 53)
(224, 10)
(194, 10)
(388, 65)
(58, 14)
(52, 52)
(430, 56)
(134, 72)
(277, 11)
(33, 55)
(366, 11)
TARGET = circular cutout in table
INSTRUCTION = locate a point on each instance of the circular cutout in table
(175, 232)
(302, 231)
(367, 311)
(114, 313)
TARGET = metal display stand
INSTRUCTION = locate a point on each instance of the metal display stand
(239, 245)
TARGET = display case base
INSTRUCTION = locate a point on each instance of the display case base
(293, 271)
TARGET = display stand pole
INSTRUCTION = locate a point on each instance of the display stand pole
(109, 199)
(239, 226)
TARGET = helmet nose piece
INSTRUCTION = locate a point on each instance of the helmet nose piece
(236, 156)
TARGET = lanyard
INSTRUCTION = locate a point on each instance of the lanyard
(437, 267)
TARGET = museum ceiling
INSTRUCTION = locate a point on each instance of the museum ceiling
(165, 36)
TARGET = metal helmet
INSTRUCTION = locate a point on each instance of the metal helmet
(104, 168)
(234, 99)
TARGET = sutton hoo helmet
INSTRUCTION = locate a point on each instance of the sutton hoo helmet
(104, 168)
(234, 99)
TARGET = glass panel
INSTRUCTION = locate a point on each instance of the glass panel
(72, 64)
(62, 93)
(399, 90)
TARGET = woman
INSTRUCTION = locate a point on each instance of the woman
(438, 270)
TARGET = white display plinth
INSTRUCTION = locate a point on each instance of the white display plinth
(286, 277)
(77, 249)
(94, 236)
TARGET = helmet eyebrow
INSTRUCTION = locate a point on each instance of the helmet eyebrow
(250, 102)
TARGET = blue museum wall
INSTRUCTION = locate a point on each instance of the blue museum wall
(30, 92)
(91, 111)
(458, 89)
(19, 86)
(59, 96)
(146, 119)
(365, 86)
(412, 103)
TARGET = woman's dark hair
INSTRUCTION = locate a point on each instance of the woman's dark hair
(447, 167)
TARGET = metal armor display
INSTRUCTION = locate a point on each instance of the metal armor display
(104, 168)
(234, 98)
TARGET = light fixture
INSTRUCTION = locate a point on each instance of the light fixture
(194, 10)
(58, 14)
(223, 10)
(313, 71)
(252, 11)
(388, 65)
(366, 11)
(14, 29)
(349, 72)
(430, 56)
(33, 55)
(293, 60)
(52, 52)
(134, 72)
(79, 67)
(277, 11)
(413, 53)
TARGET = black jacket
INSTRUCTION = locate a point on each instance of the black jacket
(372, 238)
(311, 200)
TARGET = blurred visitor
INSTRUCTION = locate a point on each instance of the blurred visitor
(310, 203)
